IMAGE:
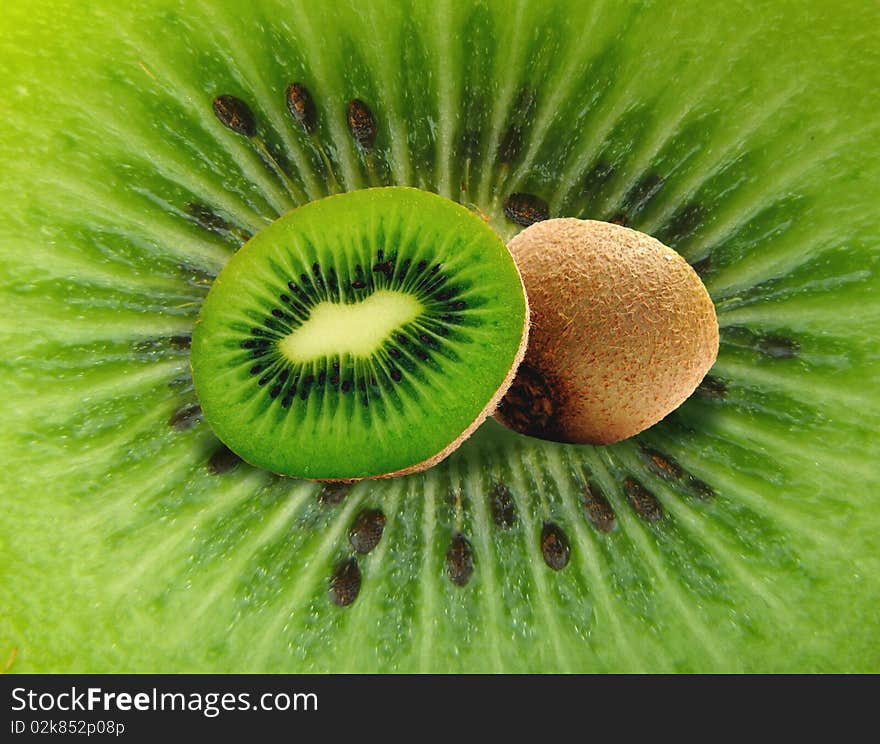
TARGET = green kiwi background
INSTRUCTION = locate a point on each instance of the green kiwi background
(746, 525)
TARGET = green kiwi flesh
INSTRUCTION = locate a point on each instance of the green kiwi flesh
(362, 335)
(742, 533)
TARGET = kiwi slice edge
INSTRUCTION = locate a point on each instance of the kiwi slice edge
(116, 531)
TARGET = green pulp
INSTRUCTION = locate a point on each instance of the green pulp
(749, 144)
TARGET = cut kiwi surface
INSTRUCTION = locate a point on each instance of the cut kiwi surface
(362, 335)
(741, 533)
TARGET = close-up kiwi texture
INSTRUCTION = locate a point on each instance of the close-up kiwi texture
(204, 472)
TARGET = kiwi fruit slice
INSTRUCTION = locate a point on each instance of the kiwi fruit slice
(623, 332)
(362, 335)
(738, 534)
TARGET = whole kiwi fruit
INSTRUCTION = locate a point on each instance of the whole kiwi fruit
(144, 144)
(624, 331)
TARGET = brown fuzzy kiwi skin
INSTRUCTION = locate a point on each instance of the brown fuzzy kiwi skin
(622, 332)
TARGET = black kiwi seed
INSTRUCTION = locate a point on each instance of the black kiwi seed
(668, 469)
(530, 406)
(510, 145)
(555, 546)
(333, 494)
(700, 489)
(778, 347)
(361, 124)
(526, 209)
(181, 383)
(197, 274)
(366, 531)
(301, 106)
(661, 464)
(319, 279)
(185, 417)
(502, 506)
(235, 114)
(712, 388)
(702, 266)
(259, 347)
(599, 511)
(511, 142)
(643, 502)
(641, 194)
(598, 174)
(345, 582)
(770, 345)
(223, 460)
(207, 219)
(175, 343)
(459, 560)
(386, 268)
(682, 224)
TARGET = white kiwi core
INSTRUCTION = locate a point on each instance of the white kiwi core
(358, 329)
